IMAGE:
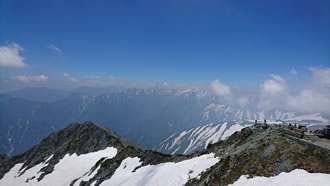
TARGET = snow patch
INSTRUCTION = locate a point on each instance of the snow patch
(232, 130)
(296, 177)
(65, 171)
(162, 174)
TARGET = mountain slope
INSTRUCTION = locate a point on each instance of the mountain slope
(262, 150)
(199, 137)
(89, 154)
(82, 153)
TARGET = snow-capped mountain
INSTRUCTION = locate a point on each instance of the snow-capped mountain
(218, 112)
(197, 138)
(146, 116)
(92, 155)
(88, 154)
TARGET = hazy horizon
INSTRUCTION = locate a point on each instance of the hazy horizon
(275, 51)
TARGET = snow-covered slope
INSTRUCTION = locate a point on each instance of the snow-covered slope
(75, 169)
(69, 168)
(293, 178)
(199, 137)
(161, 174)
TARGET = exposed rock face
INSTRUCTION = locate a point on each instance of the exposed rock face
(260, 150)
(3, 157)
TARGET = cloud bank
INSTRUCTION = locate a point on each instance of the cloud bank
(30, 79)
(277, 93)
(10, 56)
(314, 97)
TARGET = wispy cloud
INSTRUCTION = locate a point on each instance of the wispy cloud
(293, 71)
(100, 81)
(30, 79)
(10, 56)
(55, 49)
(68, 76)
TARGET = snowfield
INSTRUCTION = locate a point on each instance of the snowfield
(66, 170)
(297, 177)
(73, 167)
(170, 173)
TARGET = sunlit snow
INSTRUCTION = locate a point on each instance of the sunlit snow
(70, 167)
(294, 178)
(171, 174)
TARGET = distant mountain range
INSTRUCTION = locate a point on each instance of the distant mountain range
(197, 138)
(49, 95)
(91, 155)
(146, 116)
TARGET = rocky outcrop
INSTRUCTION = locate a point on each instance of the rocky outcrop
(261, 150)
(76, 138)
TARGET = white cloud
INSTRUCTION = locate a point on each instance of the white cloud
(309, 101)
(55, 49)
(30, 79)
(10, 56)
(315, 97)
(220, 89)
(68, 76)
(273, 86)
(272, 92)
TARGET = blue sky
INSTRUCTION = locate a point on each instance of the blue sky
(180, 41)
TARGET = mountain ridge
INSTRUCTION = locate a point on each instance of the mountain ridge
(258, 150)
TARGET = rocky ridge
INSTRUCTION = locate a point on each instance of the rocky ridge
(260, 150)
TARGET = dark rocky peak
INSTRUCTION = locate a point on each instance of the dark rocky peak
(75, 138)
(3, 157)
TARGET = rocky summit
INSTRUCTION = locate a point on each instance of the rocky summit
(88, 154)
